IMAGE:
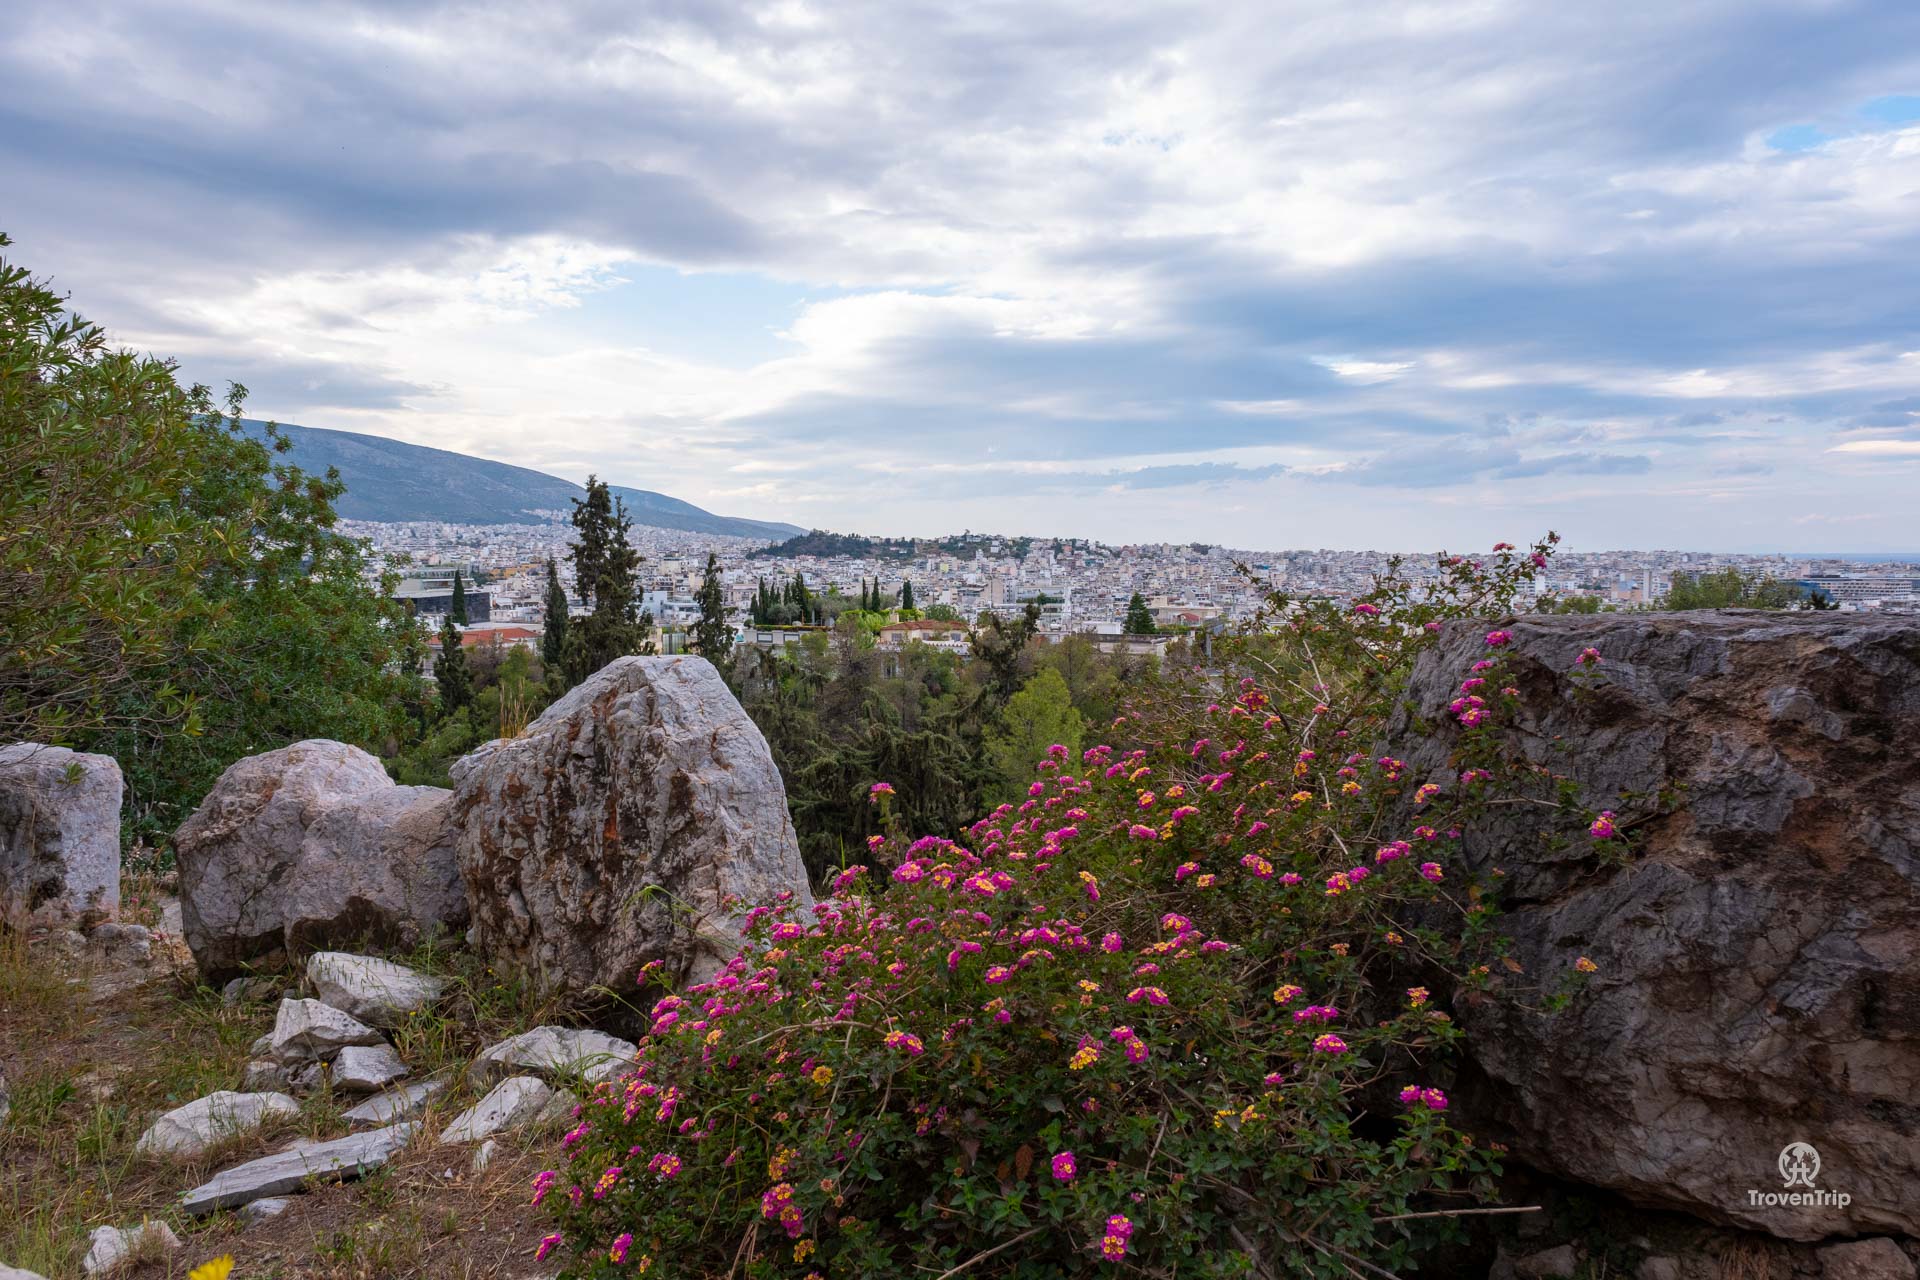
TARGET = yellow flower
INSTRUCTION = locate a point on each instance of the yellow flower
(822, 1076)
(1585, 965)
(218, 1269)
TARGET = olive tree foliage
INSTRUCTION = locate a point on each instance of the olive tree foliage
(171, 593)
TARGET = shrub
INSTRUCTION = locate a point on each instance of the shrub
(1172, 1015)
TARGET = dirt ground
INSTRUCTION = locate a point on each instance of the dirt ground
(93, 1048)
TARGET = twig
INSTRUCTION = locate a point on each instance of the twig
(981, 1257)
(1459, 1213)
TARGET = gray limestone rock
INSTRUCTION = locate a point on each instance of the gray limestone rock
(308, 845)
(378, 992)
(648, 775)
(1758, 949)
(59, 836)
(340, 1159)
(514, 1102)
(367, 1069)
(112, 1246)
(309, 1031)
(554, 1052)
(205, 1122)
(394, 1104)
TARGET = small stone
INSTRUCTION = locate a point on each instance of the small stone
(112, 1246)
(512, 1103)
(205, 1122)
(1559, 1261)
(284, 1171)
(307, 1078)
(262, 1047)
(263, 1075)
(394, 1104)
(1875, 1259)
(483, 1155)
(367, 1068)
(18, 1273)
(261, 1210)
(121, 943)
(554, 1052)
(375, 991)
(309, 1030)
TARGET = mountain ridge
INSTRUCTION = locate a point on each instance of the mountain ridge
(391, 481)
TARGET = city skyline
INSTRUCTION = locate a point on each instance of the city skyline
(1435, 275)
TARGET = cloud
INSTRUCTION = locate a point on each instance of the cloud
(1478, 257)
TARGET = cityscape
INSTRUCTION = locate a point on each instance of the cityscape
(1080, 585)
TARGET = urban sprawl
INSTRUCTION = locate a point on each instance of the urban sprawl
(1078, 584)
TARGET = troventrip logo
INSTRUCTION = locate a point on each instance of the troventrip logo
(1799, 1165)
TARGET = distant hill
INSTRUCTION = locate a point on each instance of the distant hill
(819, 542)
(388, 480)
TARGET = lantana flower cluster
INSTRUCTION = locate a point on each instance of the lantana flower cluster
(1100, 1019)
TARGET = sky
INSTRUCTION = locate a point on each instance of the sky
(1282, 274)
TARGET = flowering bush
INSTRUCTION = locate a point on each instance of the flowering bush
(1173, 1014)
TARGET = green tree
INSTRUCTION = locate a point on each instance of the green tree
(1729, 589)
(604, 564)
(942, 613)
(458, 612)
(1038, 716)
(450, 669)
(553, 636)
(713, 635)
(906, 593)
(1139, 620)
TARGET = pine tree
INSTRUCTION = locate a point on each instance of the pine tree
(459, 611)
(604, 564)
(553, 640)
(1139, 618)
(906, 594)
(713, 635)
(802, 602)
(450, 669)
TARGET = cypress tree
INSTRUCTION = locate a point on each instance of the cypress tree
(604, 563)
(459, 611)
(906, 594)
(1139, 618)
(450, 669)
(553, 640)
(713, 635)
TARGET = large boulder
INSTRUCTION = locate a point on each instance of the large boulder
(310, 845)
(633, 821)
(59, 836)
(1758, 949)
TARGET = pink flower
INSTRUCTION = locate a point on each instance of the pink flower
(1366, 610)
(1431, 870)
(1329, 1044)
(1587, 658)
(1064, 1169)
(1152, 995)
(1111, 942)
(1603, 827)
(547, 1245)
(1430, 1099)
(1139, 832)
(877, 790)
(621, 1243)
(1497, 638)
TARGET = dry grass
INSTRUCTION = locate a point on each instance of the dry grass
(88, 1076)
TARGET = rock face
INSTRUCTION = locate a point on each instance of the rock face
(59, 836)
(648, 776)
(1759, 949)
(309, 845)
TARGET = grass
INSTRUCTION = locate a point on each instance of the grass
(88, 1076)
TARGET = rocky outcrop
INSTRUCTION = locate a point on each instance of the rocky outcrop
(59, 836)
(622, 827)
(1759, 941)
(309, 845)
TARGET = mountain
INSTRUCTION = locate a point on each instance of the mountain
(388, 480)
